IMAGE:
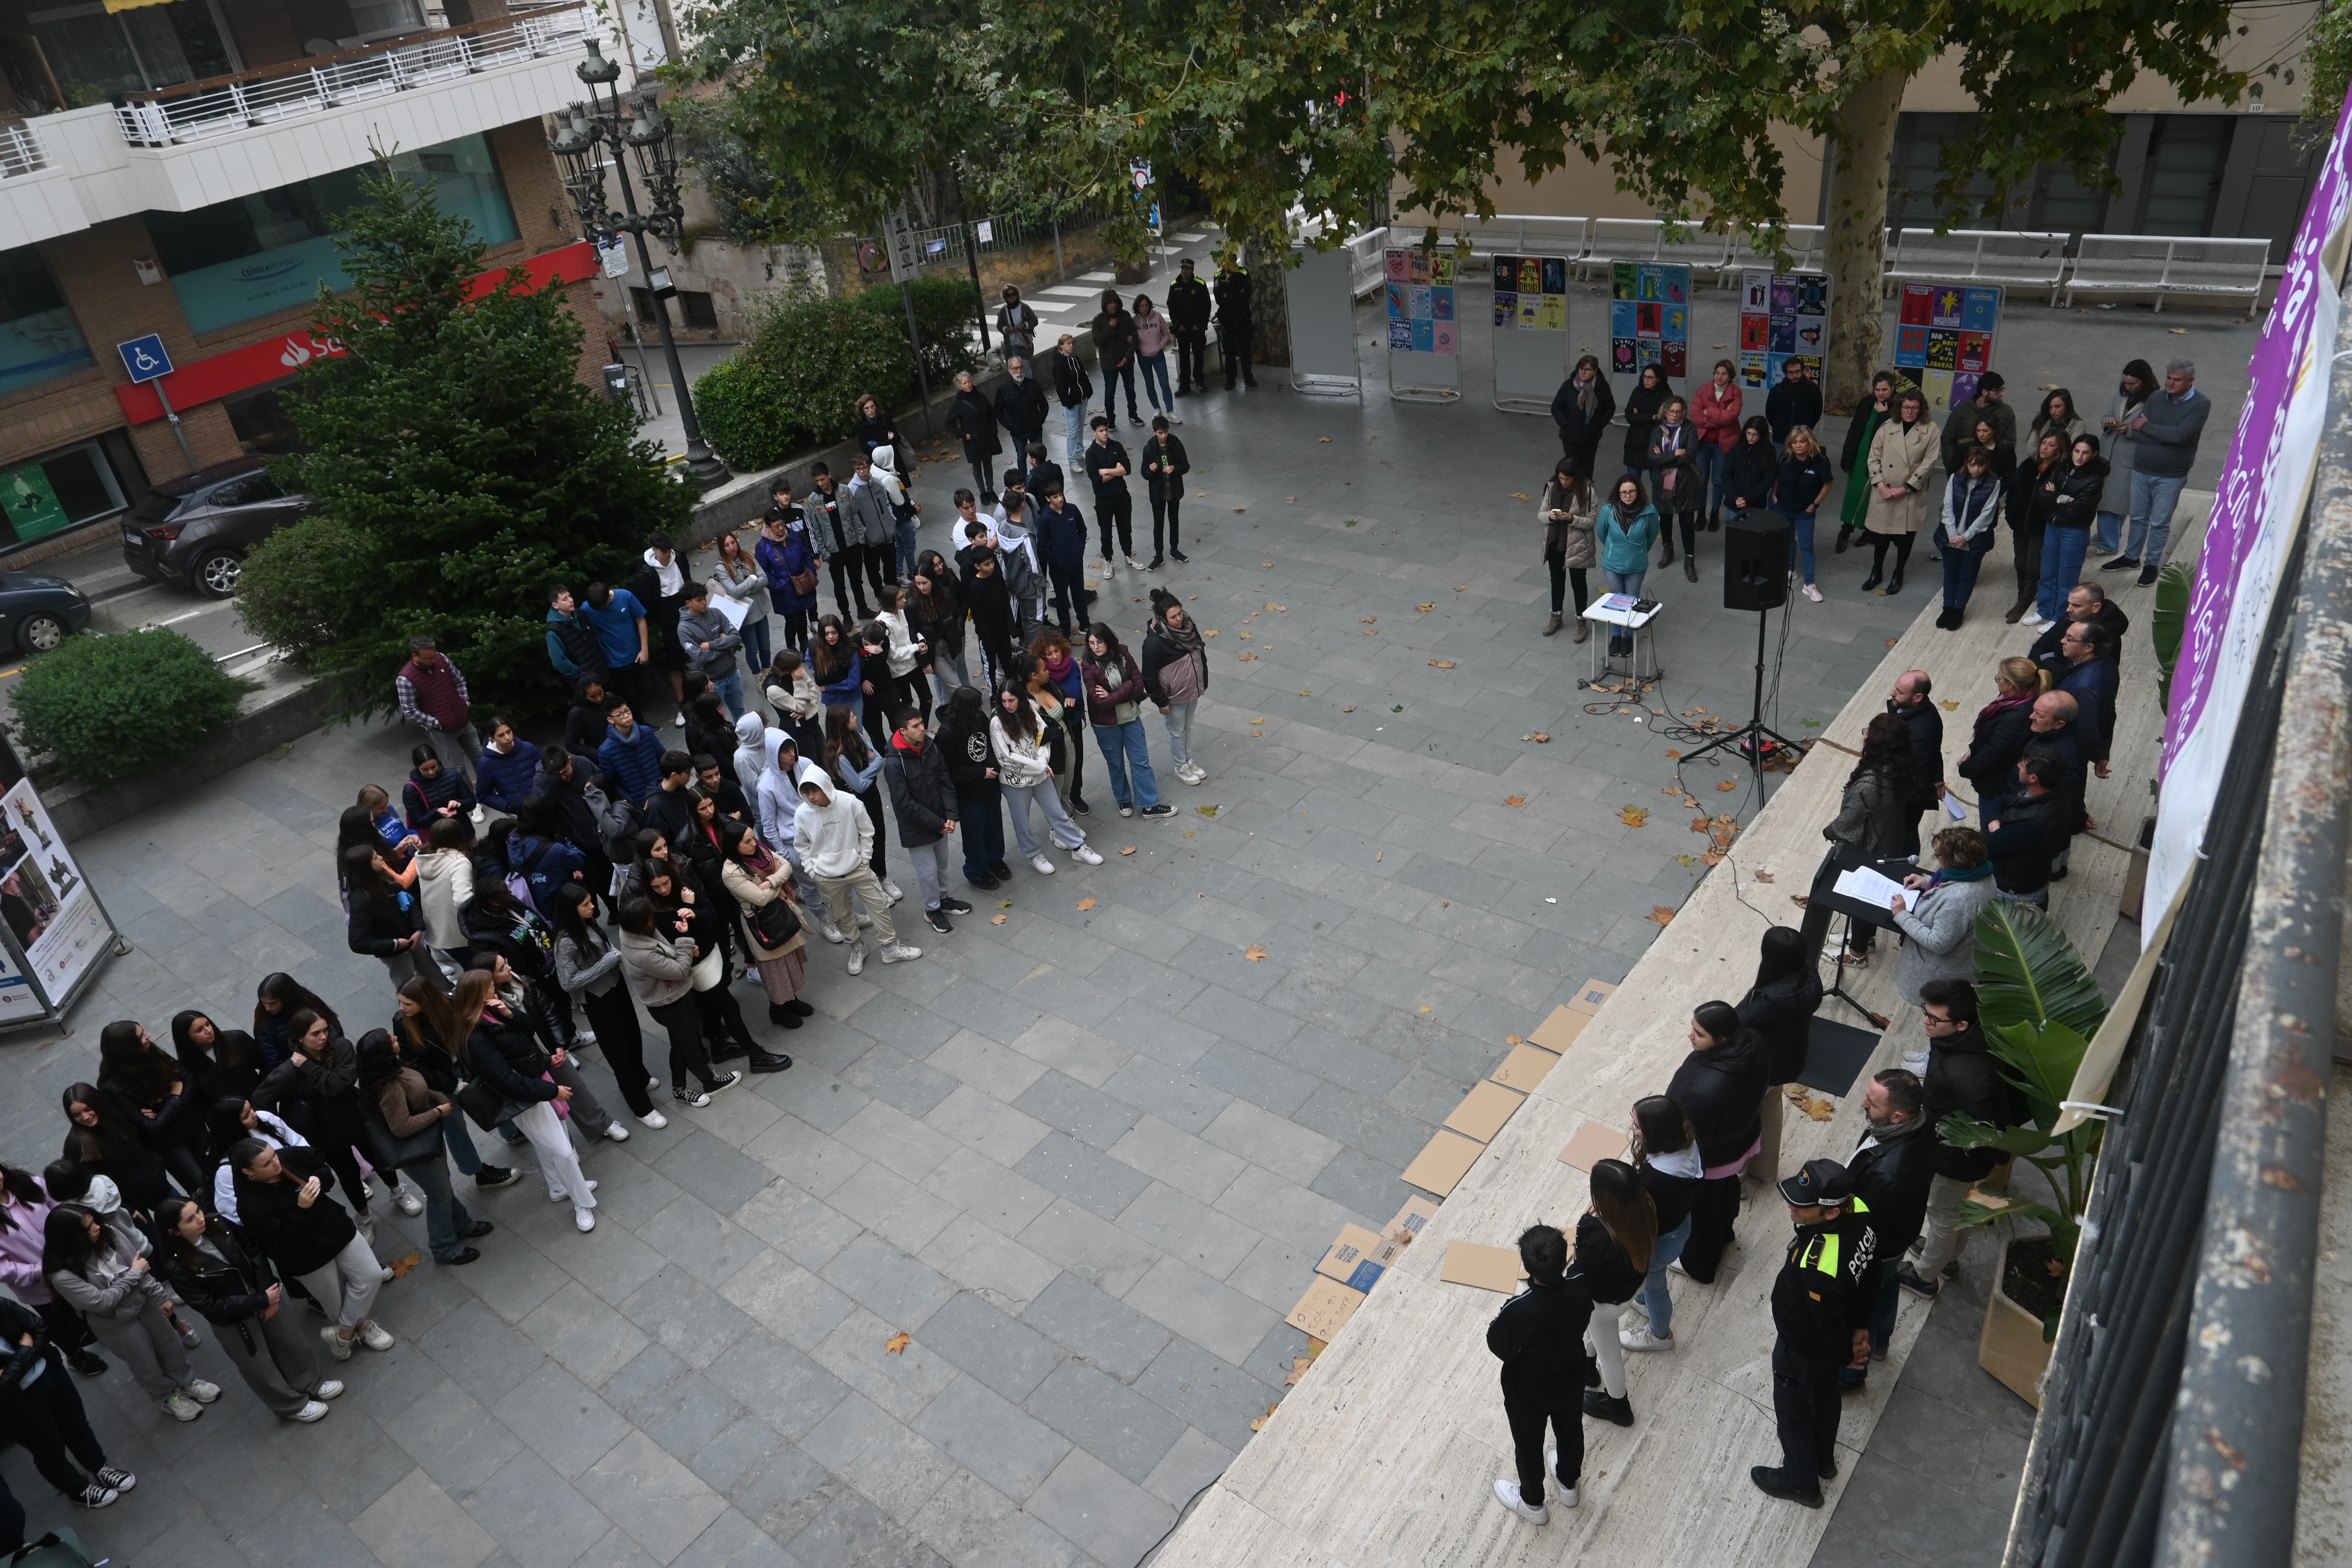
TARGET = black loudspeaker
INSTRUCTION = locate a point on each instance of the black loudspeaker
(1755, 561)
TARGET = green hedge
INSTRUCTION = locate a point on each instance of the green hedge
(127, 704)
(946, 309)
(795, 383)
(288, 591)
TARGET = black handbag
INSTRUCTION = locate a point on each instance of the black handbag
(484, 1106)
(387, 1152)
(774, 924)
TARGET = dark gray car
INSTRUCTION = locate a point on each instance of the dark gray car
(197, 530)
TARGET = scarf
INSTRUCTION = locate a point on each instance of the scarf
(1954, 874)
(671, 577)
(1058, 666)
(1586, 392)
(2000, 705)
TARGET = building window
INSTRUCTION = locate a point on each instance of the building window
(1912, 174)
(97, 50)
(696, 311)
(2185, 158)
(264, 427)
(57, 491)
(39, 339)
(265, 252)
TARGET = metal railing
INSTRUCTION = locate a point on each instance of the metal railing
(20, 151)
(196, 110)
(1006, 232)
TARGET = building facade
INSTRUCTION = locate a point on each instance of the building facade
(169, 170)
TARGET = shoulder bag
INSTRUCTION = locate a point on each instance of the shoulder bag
(387, 1152)
(774, 924)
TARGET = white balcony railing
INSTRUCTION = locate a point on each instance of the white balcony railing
(201, 109)
(20, 152)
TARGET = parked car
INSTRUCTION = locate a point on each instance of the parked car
(37, 612)
(197, 530)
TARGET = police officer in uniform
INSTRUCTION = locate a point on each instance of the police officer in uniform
(1188, 313)
(1233, 295)
(1821, 1303)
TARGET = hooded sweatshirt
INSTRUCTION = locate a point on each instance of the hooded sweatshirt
(750, 757)
(671, 578)
(832, 840)
(1016, 555)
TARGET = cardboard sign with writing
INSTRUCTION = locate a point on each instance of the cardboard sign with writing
(1524, 1069)
(1325, 1310)
(1595, 1142)
(1443, 1162)
(1487, 1267)
(1591, 995)
(1358, 1257)
(1558, 1032)
(1412, 1219)
(1483, 1110)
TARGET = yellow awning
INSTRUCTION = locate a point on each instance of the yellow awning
(114, 6)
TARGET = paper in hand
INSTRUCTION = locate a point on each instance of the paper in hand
(735, 610)
(1952, 804)
(1866, 885)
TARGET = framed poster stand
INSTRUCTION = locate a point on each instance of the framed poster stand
(55, 935)
(1944, 338)
(1784, 320)
(1531, 331)
(1323, 359)
(1424, 326)
(1649, 321)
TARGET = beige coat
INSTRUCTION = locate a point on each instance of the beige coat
(753, 894)
(1900, 457)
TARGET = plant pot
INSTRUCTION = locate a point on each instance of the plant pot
(2135, 879)
(2011, 1347)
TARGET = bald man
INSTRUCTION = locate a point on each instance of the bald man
(1911, 701)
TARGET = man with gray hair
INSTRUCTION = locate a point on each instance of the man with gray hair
(2164, 431)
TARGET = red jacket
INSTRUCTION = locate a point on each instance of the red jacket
(1716, 411)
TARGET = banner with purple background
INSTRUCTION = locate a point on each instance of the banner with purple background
(2265, 482)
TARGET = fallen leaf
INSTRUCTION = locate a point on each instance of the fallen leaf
(1253, 954)
(1517, 496)
(1698, 710)
(1892, 641)
(1201, 495)
(1245, 508)
(1371, 631)
(1713, 857)
(1763, 876)
(1262, 563)
(1670, 789)
(1129, 850)
(1687, 860)
(1368, 620)
(1377, 853)
(1290, 498)
(1086, 903)
(1205, 634)
(1461, 587)
(401, 1266)
(1514, 800)
(1259, 1425)
(1306, 694)
(1539, 738)
(1278, 609)
(1727, 786)
(1691, 801)
(1661, 914)
(1673, 753)
(1951, 707)
(1298, 1364)
(1398, 708)
(997, 920)
(1349, 523)
(1701, 826)
(1512, 1040)
(1244, 635)
(896, 1343)
(1350, 707)
(1424, 1009)
(1440, 664)
(2178, 331)
(1819, 1109)
(1257, 731)
(1325, 439)
(1634, 816)
(1247, 657)
(1425, 607)
(1799, 899)
(1206, 810)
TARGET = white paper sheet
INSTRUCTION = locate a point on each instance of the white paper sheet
(1865, 886)
(1952, 804)
(733, 609)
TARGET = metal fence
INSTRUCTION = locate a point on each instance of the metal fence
(999, 232)
(20, 151)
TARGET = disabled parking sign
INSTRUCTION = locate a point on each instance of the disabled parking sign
(145, 358)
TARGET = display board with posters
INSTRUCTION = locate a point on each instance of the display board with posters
(1784, 317)
(1531, 331)
(1424, 326)
(1649, 319)
(1944, 338)
(55, 929)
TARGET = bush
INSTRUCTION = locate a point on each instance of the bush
(796, 383)
(742, 407)
(123, 704)
(946, 308)
(286, 595)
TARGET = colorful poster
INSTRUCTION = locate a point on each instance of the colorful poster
(1784, 317)
(43, 895)
(31, 503)
(1649, 318)
(1420, 292)
(1531, 293)
(1944, 337)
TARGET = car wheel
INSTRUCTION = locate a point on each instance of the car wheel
(216, 573)
(40, 633)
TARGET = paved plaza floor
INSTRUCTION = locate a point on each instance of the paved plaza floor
(1085, 1159)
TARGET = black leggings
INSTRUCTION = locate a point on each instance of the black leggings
(52, 1425)
(1689, 521)
(872, 800)
(1878, 543)
(721, 1017)
(682, 1022)
(796, 626)
(182, 1163)
(1564, 577)
(1164, 510)
(614, 1018)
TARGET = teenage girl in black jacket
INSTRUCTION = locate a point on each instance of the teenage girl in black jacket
(207, 1265)
(1614, 1239)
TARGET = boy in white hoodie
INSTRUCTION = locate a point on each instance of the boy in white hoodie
(833, 840)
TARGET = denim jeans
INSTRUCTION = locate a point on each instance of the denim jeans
(1654, 1294)
(906, 525)
(445, 1219)
(462, 1152)
(1179, 720)
(2153, 498)
(1124, 751)
(2063, 550)
(1800, 541)
(1155, 368)
(1961, 564)
(980, 823)
(730, 687)
(1073, 436)
(756, 651)
(1713, 463)
(1625, 582)
(2109, 532)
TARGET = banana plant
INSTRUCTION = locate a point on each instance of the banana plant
(2169, 623)
(2038, 1005)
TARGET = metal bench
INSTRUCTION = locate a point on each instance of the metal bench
(2153, 264)
(1525, 234)
(1803, 242)
(2009, 257)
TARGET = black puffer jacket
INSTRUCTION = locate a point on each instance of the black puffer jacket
(1781, 1013)
(507, 1060)
(295, 1238)
(376, 925)
(1600, 1264)
(922, 796)
(232, 1288)
(1997, 741)
(1964, 1076)
(2075, 503)
(1721, 1090)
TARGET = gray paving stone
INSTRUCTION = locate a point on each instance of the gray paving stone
(994, 1439)
(417, 1525)
(991, 1345)
(974, 1525)
(1082, 1174)
(1188, 1229)
(1271, 1141)
(788, 1299)
(889, 1136)
(457, 1442)
(887, 1282)
(677, 1311)
(978, 1120)
(777, 1384)
(713, 1170)
(1201, 1308)
(890, 1075)
(893, 1208)
(1216, 1395)
(561, 1420)
(1094, 1327)
(988, 1192)
(1250, 1077)
(659, 1503)
(532, 1512)
(1093, 1248)
(1175, 1095)
(990, 1264)
(989, 1066)
(1087, 1114)
(699, 1239)
(1112, 1518)
(1106, 1419)
(891, 1466)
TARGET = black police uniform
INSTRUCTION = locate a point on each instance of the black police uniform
(1188, 313)
(1232, 290)
(1820, 1297)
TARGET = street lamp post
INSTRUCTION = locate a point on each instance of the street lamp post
(635, 131)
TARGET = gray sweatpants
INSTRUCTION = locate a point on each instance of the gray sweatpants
(345, 1285)
(282, 1366)
(150, 1348)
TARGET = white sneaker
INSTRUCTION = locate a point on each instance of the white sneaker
(1086, 853)
(900, 953)
(655, 1119)
(408, 1200)
(1043, 866)
(584, 1038)
(1812, 592)
(1641, 1339)
(180, 1407)
(865, 921)
(2040, 627)
(203, 1393)
(652, 1083)
(329, 1388)
(311, 1411)
(372, 1335)
(890, 889)
(1507, 1492)
(337, 1346)
(856, 958)
(1191, 773)
(1568, 1494)
(1110, 572)
(584, 1218)
(616, 1133)
(1134, 565)
(828, 930)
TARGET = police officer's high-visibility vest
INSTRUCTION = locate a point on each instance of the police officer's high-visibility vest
(1821, 1252)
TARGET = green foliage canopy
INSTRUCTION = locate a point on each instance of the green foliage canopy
(126, 703)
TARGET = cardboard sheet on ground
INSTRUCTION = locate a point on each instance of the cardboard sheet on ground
(1524, 1069)
(1595, 1142)
(1483, 1110)
(1358, 1257)
(1591, 995)
(1443, 1162)
(1835, 1055)
(1325, 1310)
(1412, 1219)
(1493, 1269)
(1558, 1032)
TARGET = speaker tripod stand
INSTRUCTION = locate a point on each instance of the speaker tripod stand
(1751, 737)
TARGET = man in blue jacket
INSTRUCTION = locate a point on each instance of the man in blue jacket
(619, 622)
(2164, 435)
(1062, 539)
(2090, 679)
(631, 754)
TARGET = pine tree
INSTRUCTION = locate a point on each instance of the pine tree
(457, 465)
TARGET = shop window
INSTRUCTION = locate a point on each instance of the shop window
(73, 486)
(39, 339)
(695, 312)
(270, 251)
(2184, 160)
(263, 426)
(95, 51)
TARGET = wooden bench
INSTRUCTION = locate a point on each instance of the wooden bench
(2157, 264)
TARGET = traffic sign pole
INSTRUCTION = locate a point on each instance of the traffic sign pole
(182, 435)
(148, 362)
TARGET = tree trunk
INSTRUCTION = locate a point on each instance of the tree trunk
(1862, 145)
(1267, 258)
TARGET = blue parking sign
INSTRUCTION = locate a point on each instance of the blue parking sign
(145, 358)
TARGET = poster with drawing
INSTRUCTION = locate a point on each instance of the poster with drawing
(48, 903)
(1784, 318)
(1944, 338)
(1649, 319)
(1425, 325)
(1530, 342)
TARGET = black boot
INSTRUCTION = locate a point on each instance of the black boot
(1668, 557)
(781, 1015)
(1713, 519)
(1895, 584)
(1845, 538)
(1690, 566)
(768, 1061)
